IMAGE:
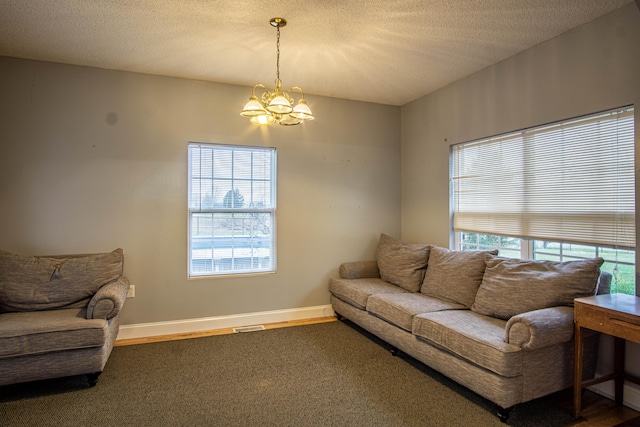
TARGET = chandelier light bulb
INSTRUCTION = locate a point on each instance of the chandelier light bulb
(263, 119)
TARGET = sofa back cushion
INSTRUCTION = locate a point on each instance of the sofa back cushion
(512, 286)
(454, 275)
(29, 283)
(402, 264)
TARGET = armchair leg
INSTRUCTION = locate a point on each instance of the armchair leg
(93, 378)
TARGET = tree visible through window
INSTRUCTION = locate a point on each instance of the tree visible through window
(232, 207)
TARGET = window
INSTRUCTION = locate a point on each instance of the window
(560, 191)
(619, 262)
(232, 209)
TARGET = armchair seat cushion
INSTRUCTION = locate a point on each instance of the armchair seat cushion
(30, 333)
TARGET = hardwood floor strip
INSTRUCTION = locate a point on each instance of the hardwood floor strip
(225, 331)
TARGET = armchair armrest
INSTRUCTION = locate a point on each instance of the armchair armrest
(107, 302)
(359, 270)
(540, 328)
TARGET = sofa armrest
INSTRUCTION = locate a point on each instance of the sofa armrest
(604, 283)
(359, 270)
(540, 328)
(107, 302)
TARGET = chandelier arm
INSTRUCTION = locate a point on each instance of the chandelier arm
(298, 88)
(260, 85)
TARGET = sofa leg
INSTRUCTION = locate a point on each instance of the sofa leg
(338, 316)
(503, 414)
(395, 352)
(93, 378)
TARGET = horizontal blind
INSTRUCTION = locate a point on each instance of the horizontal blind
(571, 181)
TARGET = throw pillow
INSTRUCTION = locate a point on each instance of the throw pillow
(400, 263)
(454, 275)
(29, 283)
(512, 286)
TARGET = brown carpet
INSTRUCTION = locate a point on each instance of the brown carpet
(330, 374)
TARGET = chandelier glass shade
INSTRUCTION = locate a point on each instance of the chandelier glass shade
(277, 106)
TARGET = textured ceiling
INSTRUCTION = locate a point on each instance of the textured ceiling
(384, 51)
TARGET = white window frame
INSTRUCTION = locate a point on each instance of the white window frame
(231, 234)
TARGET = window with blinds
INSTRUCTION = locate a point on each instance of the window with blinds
(232, 209)
(571, 181)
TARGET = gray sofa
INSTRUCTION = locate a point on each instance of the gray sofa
(501, 327)
(58, 315)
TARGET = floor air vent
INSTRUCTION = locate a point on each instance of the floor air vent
(249, 329)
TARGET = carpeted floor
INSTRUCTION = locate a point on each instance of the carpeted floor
(329, 374)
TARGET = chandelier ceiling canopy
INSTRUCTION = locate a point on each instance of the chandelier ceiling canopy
(277, 106)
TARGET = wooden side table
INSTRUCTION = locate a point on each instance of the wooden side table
(613, 314)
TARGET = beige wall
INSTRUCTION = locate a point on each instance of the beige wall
(592, 68)
(92, 159)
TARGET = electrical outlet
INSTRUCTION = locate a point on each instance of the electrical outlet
(132, 291)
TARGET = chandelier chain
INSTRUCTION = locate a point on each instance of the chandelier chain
(278, 56)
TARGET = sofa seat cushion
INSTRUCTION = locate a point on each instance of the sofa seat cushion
(357, 291)
(29, 333)
(399, 308)
(476, 338)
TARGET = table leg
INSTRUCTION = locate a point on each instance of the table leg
(577, 371)
(619, 369)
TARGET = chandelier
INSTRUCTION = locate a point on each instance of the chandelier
(276, 106)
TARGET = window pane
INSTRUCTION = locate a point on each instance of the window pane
(623, 277)
(507, 246)
(232, 242)
(222, 165)
(573, 251)
(242, 165)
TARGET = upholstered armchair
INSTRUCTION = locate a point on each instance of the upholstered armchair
(59, 315)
